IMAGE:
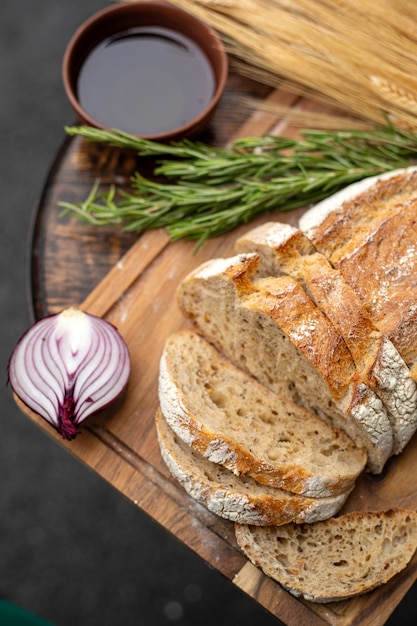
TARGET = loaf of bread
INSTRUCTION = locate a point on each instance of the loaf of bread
(273, 330)
(237, 498)
(302, 371)
(284, 249)
(334, 559)
(371, 238)
(231, 419)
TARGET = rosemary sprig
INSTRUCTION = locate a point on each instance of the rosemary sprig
(212, 190)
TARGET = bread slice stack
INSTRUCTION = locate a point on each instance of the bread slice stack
(301, 371)
(241, 449)
(272, 329)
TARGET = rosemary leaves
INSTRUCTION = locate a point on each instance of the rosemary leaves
(209, 191)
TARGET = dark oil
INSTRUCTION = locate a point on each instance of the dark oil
(146, 81)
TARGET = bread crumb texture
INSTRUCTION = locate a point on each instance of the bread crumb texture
(334, 559)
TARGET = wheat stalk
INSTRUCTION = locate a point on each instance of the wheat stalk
(357, 54)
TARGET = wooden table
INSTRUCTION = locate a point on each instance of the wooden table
(131, 281)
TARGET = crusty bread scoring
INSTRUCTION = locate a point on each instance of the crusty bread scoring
(231, 419)
(371, 237)
(284, 249)
(272, 330)
(237, 498)
(351, 212)
(382, 270)
(334, 559)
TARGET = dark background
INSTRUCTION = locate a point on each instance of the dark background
(72, 549)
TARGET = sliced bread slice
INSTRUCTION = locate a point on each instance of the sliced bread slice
(231, 419)
(237, 498)
(334, 559)
(284, 249)
(273, 330)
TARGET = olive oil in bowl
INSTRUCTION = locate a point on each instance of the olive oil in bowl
(146, 81)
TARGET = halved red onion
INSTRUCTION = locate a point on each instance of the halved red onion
(69, 366)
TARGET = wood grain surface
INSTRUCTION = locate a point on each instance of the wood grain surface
(131, 281)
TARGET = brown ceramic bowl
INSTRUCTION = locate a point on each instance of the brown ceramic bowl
(128, 22)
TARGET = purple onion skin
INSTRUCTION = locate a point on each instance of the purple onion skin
(69, 366)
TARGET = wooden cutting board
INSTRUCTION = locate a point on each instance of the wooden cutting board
(138, 296)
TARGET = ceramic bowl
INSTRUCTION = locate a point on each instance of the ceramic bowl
(156, 104)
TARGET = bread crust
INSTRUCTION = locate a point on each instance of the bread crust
(379, 260)
(349, 213)
(382, 270)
